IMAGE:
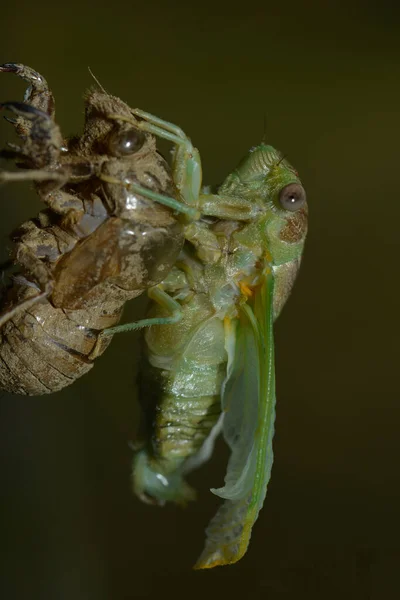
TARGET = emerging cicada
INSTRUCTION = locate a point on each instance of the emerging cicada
(110, 231)
(211, 351)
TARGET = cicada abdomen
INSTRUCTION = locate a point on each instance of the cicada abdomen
(111, 230)
(215, 355)
(180, 383)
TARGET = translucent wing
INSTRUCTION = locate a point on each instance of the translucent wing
(249, 404)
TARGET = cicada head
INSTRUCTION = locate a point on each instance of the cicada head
(277, 233)
(265, 178)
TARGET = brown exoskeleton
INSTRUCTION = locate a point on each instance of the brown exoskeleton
(111, 230)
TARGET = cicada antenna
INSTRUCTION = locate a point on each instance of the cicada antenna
(97, 81)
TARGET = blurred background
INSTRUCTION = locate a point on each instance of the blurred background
(326, 78)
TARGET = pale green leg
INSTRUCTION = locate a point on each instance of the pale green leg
(228, 207)
(186, 162)
(188, 175)
(166, 200)
(176, 205)
(161, 298)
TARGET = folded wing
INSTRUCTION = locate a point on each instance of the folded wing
(248, 400)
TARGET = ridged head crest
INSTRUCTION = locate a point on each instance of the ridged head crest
(258, 162)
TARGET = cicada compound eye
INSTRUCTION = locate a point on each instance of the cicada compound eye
(292, 197)
(124, 142)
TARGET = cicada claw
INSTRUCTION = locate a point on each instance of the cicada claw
(25, 110)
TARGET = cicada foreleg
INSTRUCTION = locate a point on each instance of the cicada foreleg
(179, 178)
(187, 174)
(186, 164)
(42, 144)
(38, 95)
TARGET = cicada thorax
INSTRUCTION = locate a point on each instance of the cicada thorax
(98, 245)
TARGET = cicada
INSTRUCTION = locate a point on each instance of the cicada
(110, 231)
(210, 349)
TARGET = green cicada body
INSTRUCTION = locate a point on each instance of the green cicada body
(210, 351)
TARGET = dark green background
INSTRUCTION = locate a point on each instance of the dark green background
(327, 80)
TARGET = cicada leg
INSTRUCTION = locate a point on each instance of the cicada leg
(157, 294)
(37, 95)
(32, 175)
(43, 140)
(187, 173)
(186, 164)
(162, 299)
(160, 198)
(186, 161)
(190, 158)
(25, 305)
